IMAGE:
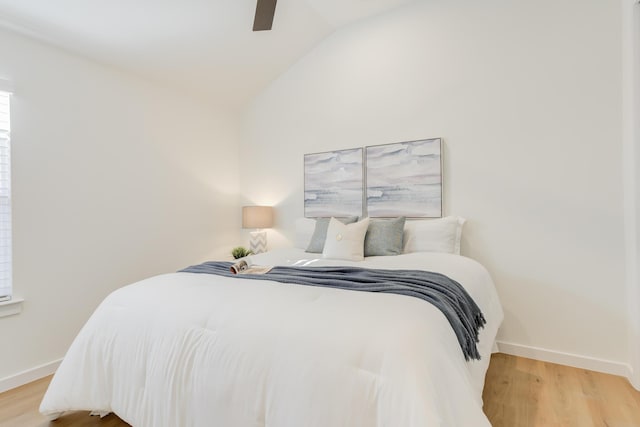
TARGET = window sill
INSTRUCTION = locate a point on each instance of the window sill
(11, 307)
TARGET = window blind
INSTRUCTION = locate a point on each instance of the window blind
(5, 197)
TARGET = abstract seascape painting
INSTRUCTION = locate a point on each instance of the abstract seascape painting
(333, 183)
(405, 179)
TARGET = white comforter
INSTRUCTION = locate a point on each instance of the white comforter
(184, 349)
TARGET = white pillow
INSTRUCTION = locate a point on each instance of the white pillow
(345, 241)
(434, 235)
(304, 231)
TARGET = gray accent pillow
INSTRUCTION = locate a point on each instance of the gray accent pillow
(384, 237)
(316, 245)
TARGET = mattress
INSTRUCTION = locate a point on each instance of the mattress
(186, 349)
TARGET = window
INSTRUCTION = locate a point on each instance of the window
(5, 198)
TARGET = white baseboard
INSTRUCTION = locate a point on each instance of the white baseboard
(568, 359)
(25, 377)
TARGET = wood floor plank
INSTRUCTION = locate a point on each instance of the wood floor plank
(19, 408)
(528, 393)
(518, 392)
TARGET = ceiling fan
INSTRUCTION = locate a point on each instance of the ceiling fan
(265, 9)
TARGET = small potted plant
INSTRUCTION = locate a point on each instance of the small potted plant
(240, 252)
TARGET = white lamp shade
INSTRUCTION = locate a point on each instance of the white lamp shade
(257, 217)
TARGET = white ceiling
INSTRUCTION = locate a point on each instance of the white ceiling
(202, 46)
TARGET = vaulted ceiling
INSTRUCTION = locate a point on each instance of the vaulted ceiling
(201, 46)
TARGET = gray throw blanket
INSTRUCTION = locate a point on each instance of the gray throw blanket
(446, 294)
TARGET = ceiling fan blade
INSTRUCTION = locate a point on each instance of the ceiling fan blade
(265, 9)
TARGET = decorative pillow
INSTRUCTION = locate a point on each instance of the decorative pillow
(316, 245)
(304, 231)
(345, 241)
(384, 237)
(434, 235)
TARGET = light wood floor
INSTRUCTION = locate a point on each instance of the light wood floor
(522, 392)
(518, 393)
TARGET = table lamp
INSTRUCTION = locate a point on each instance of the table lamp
(257, 217)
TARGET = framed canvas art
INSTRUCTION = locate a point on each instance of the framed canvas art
(405, 179)
(333, 183)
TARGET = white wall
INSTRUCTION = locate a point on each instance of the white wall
(634, 337)
(631, 162)
(527, 96)
(114, 180)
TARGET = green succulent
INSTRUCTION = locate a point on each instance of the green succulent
(240, 252)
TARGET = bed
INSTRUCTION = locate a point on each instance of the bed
(186, 349)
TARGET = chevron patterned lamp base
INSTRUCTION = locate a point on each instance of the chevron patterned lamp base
(258, 242)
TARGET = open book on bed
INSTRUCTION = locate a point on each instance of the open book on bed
(245, 267)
